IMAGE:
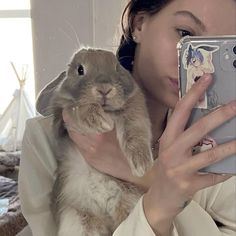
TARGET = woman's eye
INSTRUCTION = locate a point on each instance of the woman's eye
(183, 33)
(80, 70)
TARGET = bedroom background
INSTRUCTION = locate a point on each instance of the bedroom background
(39, 38)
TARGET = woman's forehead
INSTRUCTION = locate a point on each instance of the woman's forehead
(216, 16)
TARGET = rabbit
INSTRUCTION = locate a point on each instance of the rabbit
(100, 95)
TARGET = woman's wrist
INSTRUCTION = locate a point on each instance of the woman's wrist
(159, 219)
(145, 181)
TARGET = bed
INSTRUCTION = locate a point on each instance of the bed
(12, 221)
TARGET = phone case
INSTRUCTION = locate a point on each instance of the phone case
(215, 55)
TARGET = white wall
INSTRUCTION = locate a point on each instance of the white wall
(60, 26)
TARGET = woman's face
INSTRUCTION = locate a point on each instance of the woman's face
(156, 64)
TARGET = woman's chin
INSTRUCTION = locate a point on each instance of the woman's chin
(172, 100)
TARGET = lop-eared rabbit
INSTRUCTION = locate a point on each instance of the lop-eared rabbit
(99, 95)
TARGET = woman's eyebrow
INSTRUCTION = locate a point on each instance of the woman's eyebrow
(193, 17)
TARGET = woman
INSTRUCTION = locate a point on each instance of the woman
(149, 51)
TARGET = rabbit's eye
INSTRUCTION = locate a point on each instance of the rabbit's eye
(80, 70)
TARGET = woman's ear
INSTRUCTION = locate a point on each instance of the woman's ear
(137, 26)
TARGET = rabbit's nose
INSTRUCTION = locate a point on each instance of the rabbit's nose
(104, 92)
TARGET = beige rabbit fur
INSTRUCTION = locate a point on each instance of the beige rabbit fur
(100, 95)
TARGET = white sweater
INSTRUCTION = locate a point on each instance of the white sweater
(36, 178)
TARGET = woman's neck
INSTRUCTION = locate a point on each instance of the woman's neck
(157, 110)
(158, 115)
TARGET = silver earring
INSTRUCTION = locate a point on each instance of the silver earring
(134, 38)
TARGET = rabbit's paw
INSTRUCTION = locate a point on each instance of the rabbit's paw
(140, 159)
(96, 120)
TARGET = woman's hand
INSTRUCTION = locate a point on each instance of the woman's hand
(174, 176)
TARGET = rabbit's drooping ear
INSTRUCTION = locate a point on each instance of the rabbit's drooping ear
(45, 95)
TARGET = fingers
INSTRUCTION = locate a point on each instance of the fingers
(210, 157)
(183, 109)
(206, 124)
(69, 124)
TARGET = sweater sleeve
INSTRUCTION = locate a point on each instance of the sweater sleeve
(136, 224)
(37, 167)
(220, 203)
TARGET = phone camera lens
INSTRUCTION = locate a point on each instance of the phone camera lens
(234, 63)
(234, 49)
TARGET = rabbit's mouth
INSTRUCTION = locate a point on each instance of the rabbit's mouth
(110, 103)
(107, 105)
(111, 109)
(105, 102)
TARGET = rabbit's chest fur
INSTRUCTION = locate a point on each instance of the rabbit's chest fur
(89, 191)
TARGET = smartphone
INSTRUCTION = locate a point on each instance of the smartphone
(215, 55)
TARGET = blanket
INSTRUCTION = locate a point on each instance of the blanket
(12, 221)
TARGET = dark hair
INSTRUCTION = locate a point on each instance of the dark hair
(126, 49)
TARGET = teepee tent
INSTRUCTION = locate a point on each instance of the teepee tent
(12, 121)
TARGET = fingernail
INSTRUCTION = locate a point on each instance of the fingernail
(233, 105)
